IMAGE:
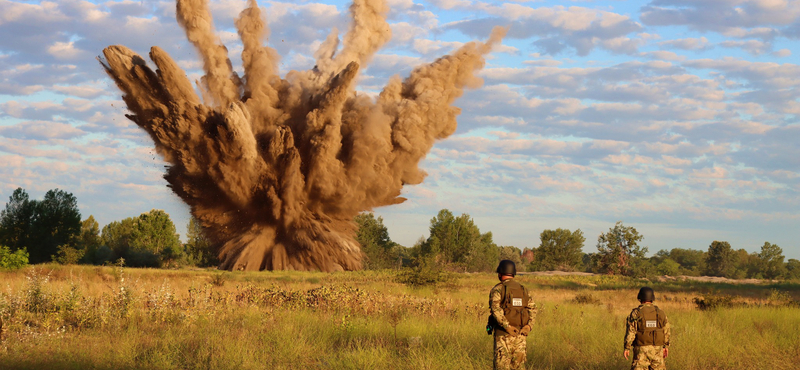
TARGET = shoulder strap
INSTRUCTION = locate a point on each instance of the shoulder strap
(659, 316)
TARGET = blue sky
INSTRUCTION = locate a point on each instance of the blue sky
(679, 118)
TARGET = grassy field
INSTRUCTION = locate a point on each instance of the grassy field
(86, 317)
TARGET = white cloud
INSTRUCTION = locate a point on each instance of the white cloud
(41, 130)
(753, 47)
(65, 51)
(558, 28)
(738, 18)
(689, 43)
(782, 53)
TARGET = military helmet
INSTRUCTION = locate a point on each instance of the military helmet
(646, 294)
(507, 267)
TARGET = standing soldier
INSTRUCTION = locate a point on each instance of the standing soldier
(647, 334)
(512, 310)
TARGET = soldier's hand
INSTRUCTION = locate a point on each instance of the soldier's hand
(513, 331)
(525, 330)
(626, 353)
(666, 352)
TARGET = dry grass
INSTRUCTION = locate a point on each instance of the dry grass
(84, 317)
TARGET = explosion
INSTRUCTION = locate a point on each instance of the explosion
(275, 169)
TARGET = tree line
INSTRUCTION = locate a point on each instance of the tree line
(51, 230)
(455, 243)
(619, 252)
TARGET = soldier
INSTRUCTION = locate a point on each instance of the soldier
(647, 333)
(512, 311)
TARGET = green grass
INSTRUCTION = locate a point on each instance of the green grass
(167, 319)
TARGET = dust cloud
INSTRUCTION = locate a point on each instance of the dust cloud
(276, 168)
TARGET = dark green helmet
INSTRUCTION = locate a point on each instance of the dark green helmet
(646, 294)
(507, 267)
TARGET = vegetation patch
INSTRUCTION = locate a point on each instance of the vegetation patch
(585, 298)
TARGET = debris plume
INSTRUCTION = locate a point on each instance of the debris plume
(275, 169)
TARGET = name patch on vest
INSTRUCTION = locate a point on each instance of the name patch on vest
(516, 302)
(651, 324)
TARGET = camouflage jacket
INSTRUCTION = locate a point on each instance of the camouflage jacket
(496, 309)
(633, 327)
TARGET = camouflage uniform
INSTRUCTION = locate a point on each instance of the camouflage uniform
(509, 351)
(645, 357)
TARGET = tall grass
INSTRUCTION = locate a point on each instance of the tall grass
(100, 318)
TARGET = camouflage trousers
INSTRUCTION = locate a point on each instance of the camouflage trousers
(648, 358)
(509, 352)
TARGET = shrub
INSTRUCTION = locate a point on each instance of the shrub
(13, 260)
(218, 279)
(68, 255)
(36, 298)
(713, 301)
(426, 273)
(780, 298)
(585, 298)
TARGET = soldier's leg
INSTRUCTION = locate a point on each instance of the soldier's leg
(502, 353)
(517, 346)
(640, 359)
(656, 357)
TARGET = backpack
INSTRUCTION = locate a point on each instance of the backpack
(515, 306)
(650, 330)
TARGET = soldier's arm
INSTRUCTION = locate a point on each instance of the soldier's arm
(666, 332)
(630, 329)
(495, 297)
(532, 310)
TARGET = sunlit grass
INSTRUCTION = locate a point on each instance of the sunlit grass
(85, 317)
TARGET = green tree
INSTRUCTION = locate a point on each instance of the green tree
(16, 220)
(771, 258)
(379, 250)
(560, 249)
(89, 240)
(40, 226)
(793, 269)
(117, 236)
(57, 223)
(149, 240)
(721, 259)
(641, 267)
(668, 266)
(692, 262)
(747, 265)
(198, 248)
(156, 234)
(483, 255)
(617, 248)
(457, 241)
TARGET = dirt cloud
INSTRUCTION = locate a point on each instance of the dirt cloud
(276, 168)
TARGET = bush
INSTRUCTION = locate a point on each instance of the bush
(68, 255)
(585, 298)
(13, 260)
(713, 301)
(218, 279)
(780, 298)
(426, 273)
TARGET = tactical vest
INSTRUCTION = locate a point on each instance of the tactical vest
(650, 330)
(514, 304)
